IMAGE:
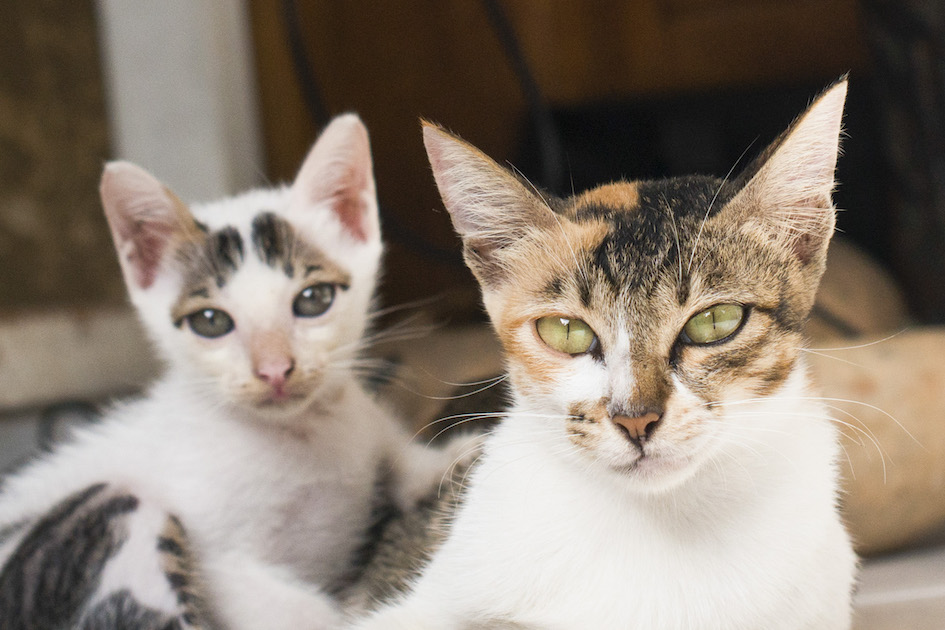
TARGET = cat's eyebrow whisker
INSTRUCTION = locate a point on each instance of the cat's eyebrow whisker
(577, 263)
(708, 210)
(672, 218)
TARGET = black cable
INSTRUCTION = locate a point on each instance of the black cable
(303, 66)
(305, 74)
(549, 140)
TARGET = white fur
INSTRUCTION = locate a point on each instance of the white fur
(275, 498)
(548, 539)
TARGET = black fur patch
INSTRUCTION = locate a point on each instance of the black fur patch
(646, 238)
(273, 241)
(225, 253)
(217, 256)
(58, 564)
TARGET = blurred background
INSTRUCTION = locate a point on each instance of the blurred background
(218, 96)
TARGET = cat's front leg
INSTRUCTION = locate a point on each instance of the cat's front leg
(248, 594)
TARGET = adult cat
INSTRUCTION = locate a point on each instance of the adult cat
(259, 441)
(665, 463)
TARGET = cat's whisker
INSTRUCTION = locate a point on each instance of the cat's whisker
(826, 399)
(858, 346)
(860, 433)
(829, 356)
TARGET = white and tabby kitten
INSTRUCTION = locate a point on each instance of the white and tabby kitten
(665, 464)
(259, 441)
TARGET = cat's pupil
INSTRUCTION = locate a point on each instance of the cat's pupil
(314, 300)
(714, 324)
(571, 336)
(210, 322)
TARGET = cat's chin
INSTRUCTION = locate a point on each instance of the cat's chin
(657, 473)
(293, 409)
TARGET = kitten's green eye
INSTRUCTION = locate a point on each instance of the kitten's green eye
(714, 324)
(314, 300)
(210, 322)
(571, 336)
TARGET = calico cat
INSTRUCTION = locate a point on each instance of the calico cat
(665, 463)
(241, 490)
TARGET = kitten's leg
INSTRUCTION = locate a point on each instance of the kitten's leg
(249, 594)
(424, 472)
(94, 561)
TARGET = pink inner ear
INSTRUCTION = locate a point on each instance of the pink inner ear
(351, 212)
(149, 241)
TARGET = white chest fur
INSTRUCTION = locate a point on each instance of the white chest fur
(550, 542)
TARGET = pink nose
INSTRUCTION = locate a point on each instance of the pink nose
(638, 428)
(275, 372)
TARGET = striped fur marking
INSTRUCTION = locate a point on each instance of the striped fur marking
(179, 567)
(121, 610)
(274, 242)
(216, 256)
(59, 563)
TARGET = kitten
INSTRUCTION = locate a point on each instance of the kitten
(258, 441)
(665, 463)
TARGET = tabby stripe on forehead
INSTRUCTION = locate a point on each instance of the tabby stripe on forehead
(273, 240)
(224, 253)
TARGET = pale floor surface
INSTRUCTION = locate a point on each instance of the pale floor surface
(903, 592)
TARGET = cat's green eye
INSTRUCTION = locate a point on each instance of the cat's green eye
(714, 324)
(571, 336)
(210, 322)
(314, 300)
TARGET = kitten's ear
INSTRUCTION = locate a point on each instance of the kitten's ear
(145, 218)
(490, 207)
(790, 186)
(338, 172)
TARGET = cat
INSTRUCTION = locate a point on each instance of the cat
(241, 490)
(665, 462)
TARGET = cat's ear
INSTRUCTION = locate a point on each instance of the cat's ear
(338, 172)
(145, 218)
(490, 207)
(789, 188)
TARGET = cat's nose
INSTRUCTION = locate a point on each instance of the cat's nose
(275, 371)
(638, 429)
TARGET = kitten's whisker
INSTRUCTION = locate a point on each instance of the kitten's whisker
(396, 308)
